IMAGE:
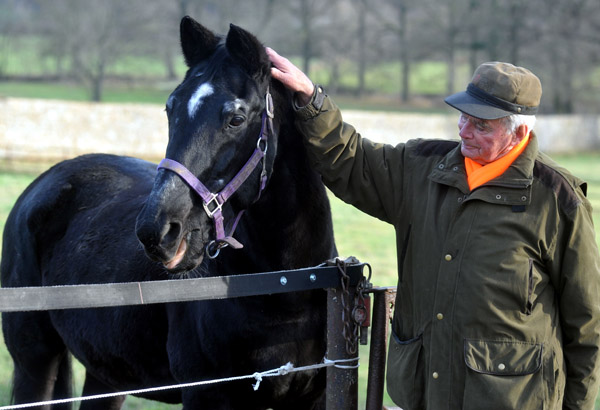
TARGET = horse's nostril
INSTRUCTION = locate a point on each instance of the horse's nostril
(171, 234)
(160, 241)
(146, 235)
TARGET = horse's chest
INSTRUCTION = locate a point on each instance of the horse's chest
(122, 345)
(241, 335)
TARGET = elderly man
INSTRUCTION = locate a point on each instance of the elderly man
(498, 303)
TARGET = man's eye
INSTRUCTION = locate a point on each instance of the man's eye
(481, 126)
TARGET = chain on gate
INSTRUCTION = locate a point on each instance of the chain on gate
(355, 316)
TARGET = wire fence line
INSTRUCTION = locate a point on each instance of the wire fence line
(181, 290)
(258, 376)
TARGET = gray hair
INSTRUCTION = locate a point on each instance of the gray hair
(512, 122)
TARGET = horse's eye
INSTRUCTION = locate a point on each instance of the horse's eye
(236, 121)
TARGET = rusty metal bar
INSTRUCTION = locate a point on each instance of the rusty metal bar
(342, 384)
(383, 298)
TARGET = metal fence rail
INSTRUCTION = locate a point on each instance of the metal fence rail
(342, 383)
(176, 290)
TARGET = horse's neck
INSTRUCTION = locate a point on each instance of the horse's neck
(293, 217)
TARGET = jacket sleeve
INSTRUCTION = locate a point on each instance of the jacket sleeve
(358, 171)
(577, 262)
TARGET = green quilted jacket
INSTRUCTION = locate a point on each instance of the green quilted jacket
(498, 303)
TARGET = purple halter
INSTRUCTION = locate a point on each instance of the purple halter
(213, 202)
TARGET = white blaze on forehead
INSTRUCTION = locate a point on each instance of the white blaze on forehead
(196, 99)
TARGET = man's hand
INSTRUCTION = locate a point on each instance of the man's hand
(291, 76)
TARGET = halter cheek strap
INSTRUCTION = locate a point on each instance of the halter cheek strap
(213, 202)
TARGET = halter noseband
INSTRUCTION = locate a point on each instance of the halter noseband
(213, 202)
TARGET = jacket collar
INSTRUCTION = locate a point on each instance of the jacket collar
(512, 187)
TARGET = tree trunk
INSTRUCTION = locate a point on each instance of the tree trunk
(306, 30)
(170, 66)
(334, 78)
(98, 83)
(492, 37)
(515, 21)
(362, 47)
(450, 50)
(475, 36)
(404, 54)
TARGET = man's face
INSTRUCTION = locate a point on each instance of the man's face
(484, 141)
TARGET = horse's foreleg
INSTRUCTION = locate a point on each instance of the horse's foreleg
(93, 386)
(35, 382)
(41, 362)
(63, 386)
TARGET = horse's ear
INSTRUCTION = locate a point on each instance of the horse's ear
(197, 42)
(247, 51)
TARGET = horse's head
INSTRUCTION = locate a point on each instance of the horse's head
(217, 161)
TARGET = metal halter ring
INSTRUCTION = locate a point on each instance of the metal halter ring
(212, 245)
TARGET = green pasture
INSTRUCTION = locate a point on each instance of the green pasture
(114, 92)
(356, 234)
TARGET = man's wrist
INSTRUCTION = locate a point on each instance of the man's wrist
(305, 98)
(301, 100)
(313, 107)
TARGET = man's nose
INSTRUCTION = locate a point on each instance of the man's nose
(465, 130)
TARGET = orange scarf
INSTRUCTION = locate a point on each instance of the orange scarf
(478, 174)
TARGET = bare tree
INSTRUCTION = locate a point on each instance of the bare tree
(517, 18)
(312, 16)
(449, 21)
(559, 39)
(394, 17)
(96, 34)
(362, 8)
(490, 24)
(568, 57)
(475, 42)
(15, 22)
(336, 44)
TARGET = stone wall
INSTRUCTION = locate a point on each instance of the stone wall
(51, 130)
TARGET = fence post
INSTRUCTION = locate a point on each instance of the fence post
(342, 384)
(383, 298)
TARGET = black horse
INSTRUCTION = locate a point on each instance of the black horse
(102, 218)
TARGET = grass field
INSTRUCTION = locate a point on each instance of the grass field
(356, 234)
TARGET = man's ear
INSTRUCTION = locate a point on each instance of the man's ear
(521, 132)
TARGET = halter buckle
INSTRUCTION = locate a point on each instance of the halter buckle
(269, 105)
(217, 205)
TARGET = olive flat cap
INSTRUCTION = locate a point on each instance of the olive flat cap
(498, 90)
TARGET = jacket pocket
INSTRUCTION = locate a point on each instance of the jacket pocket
(503, 375)
(405, 376)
